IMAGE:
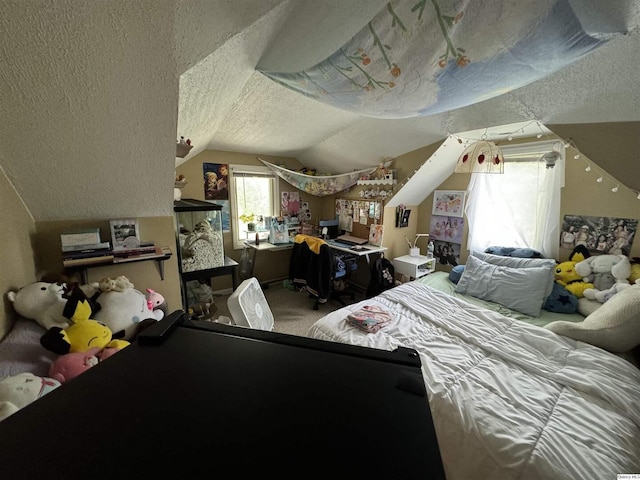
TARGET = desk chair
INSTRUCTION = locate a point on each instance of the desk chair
(313, 267)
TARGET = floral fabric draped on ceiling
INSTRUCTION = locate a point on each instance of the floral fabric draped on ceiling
(421, 57)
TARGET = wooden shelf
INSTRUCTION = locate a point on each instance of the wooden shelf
(182, 149)
(385, 181)
(83, 265)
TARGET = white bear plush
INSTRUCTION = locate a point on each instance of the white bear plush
(42, 302)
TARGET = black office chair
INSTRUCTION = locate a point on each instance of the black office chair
(313, 267)
(344, 264)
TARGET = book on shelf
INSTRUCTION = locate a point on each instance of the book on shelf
(80, 237)
(134, 251)
(141, 247)
(84, 247)
(86, 254)
(155, 253)
(71, 262)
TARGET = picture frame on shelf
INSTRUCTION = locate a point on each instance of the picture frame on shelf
(448, 203)
(125, 233)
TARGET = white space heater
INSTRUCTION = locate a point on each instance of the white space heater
(248, 306)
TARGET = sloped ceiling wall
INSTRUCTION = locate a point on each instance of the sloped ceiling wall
(94, 94)
(88, 111)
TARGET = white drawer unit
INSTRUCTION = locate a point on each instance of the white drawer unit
(414, 267)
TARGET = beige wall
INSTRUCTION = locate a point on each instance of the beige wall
(143, 275)
(582, 195)
(16, 252)
(30, 250)
(268, 265)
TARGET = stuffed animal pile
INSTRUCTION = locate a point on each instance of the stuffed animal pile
(122, 307)
(85, 325)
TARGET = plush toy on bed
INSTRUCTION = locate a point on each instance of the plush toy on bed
(565, 273)
(122, 307)
(20, 390)
(84, 332)
(68, 366)
(117, 284)
(42, 302)
(155, 301)
(611, 275)
(635, 270)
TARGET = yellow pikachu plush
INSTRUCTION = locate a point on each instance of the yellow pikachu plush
(565, 273)
(83, 333)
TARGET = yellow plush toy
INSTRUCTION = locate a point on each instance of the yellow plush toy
(83, 333)
(565, 273)
(635, 271)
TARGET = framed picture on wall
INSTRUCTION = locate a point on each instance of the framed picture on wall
(448, 202)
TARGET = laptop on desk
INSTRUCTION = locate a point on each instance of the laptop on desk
(351, 240)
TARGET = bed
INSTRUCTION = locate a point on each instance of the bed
(509, 398)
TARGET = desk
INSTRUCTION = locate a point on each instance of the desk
(265, 246)
(366, 251)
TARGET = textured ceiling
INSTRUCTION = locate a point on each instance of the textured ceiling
(94, 94)
(267, 118)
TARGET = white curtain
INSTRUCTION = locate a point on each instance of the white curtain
(519, 208)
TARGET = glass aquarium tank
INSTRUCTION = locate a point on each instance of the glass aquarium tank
(199, 235)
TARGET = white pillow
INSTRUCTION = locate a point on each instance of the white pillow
(521, 289)
(519, 262)
(614, 326)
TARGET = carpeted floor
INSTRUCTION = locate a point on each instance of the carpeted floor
(292, 311)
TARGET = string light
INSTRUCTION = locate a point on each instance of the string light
(568, 143)
(600, 179)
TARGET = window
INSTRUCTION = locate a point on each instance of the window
(254, 190)
(519, 208)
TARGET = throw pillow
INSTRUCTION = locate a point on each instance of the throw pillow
(456, 273)
(521, 289)
(615, 326)
(519, 262)
(523, 252)
(561, 300)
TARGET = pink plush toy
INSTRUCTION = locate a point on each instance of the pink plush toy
(70, 365)
(155, 301)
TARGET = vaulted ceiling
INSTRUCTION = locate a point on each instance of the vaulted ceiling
(94, 95)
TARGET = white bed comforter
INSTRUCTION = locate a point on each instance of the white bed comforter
(509, 400)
